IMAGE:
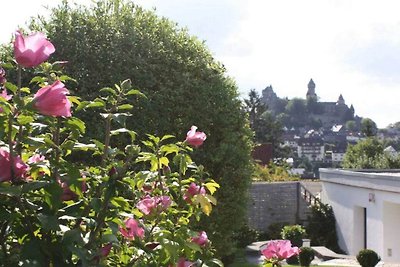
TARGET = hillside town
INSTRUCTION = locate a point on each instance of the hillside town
(322, 131)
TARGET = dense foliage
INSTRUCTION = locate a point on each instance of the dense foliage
(272, 173)
(321, 228)
(115, 40)
(130, 205)
(369, 154)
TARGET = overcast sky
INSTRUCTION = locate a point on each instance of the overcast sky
(349, 47)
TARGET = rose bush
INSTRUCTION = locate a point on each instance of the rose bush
(134, 204)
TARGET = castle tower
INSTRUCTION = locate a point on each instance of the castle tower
(340, 100)
(311, 90)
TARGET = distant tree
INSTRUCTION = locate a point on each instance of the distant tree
(266, 128)
(369, 154)
(254, 107)
(396, 125)
(296, 107)
(280, 105)
(313, 106)
(351, 125)
(368, 127)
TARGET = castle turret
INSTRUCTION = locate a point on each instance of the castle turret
(340, 100)
(311, 90)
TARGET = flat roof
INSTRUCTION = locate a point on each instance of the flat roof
(384, 180)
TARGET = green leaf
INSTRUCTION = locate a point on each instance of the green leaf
(127, 84)
(25, 90)
(82, 105)
(74, 99)
(73, 236)
(12, 87)
(96, 104)
(10, 190)
(38, 80)
(211, 199)
(84, 147)
(125, 107)
(212, 187)
(135, 92)
(31, 254)
(23, 119)
(120, 202)
(193, 246)
(32, 186)
(170, 148)
(49, 222)
(165, 137)
(124, 130)
(109, 238)
(204, 203)
(164, 161)
(108, 90)
(76, 124)
(64, 78)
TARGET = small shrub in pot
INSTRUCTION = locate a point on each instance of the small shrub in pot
(306, 256)
(368, 258)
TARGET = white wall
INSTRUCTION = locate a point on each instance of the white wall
(349, 193)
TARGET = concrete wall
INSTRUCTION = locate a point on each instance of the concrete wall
(369, 199)
(278, 202)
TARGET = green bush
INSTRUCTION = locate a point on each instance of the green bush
(274, 231)
(321, 228)
(294, 233)
(306, 256)
(245, 236)
(368, 258)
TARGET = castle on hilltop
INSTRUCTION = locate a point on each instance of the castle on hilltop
(325, 113)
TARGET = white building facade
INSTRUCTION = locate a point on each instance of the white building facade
(366, 205)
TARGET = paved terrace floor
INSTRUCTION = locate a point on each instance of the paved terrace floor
(323, 257)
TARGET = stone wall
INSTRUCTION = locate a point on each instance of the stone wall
(279, 202)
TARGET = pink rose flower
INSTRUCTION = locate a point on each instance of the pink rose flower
(51, 100)
(32, 50)
(201, 239)
(182, 262)
(132, 229)
(154, 204)
(278, 250)
(193, 190)
(36, 159)
(146, 205)
(19, 167)
(104, 251)
(194, 138)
